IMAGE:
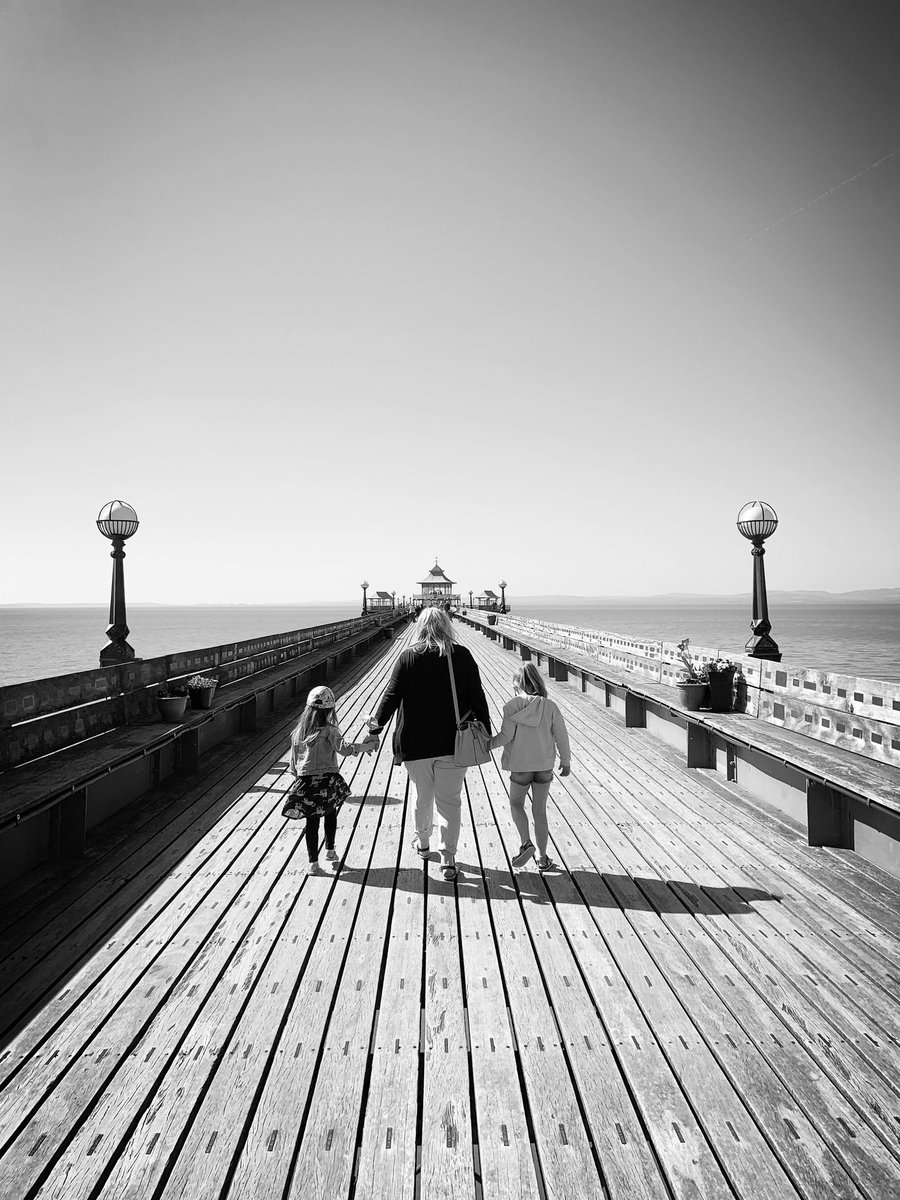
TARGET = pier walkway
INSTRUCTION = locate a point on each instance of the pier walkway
(697, 1005)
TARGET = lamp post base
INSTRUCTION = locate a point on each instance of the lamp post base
(115, 653)
(762, 646)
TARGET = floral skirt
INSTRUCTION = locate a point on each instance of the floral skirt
(315, 795)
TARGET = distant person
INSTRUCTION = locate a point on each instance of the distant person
(532, 733)
(319, 789)
(425, 733)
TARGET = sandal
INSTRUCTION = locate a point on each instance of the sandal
(546, 864)
(422, 851)
(526, 852)
(449, 871)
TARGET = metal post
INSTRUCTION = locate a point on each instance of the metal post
(761, 645)
(118, 649)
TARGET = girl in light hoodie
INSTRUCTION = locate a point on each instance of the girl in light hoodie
(532, 733)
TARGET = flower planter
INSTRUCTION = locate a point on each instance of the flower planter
(692, 695)
(171, 708)
(202, 697)
(721, 691)
(492, 619)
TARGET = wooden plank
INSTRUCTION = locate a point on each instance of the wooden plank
(504, 1149)
(224, 1035)
(52, 1094)
(214, 1131)
(447, 1163)
(283, 1100)
(794, 872)
(798, 1110)
(38, 967)
(799, 1020)
(567, 1164)
(327, 1154)
(388, 1152)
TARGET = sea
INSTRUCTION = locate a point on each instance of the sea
(848, 638)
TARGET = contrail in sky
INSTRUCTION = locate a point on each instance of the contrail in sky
(837, 187)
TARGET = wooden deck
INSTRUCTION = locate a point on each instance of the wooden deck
(697, 1006)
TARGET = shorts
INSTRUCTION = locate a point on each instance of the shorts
(524, 778)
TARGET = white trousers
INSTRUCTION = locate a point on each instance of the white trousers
(438, 783)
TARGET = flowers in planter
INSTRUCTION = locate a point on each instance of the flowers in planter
(168, 692)
(200, 681)
(718, 666)
(691, 673)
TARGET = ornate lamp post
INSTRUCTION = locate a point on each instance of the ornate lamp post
(502, 587)
(470, 597)
(117, 521)
(364, 585)
(393, 600)
(757, 521)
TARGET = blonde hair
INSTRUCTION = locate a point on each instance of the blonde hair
(529, 680)
(434, 631)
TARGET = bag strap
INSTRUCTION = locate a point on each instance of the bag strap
(453, 685)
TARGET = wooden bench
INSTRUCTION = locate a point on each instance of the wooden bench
(77, 760)
(842, 799)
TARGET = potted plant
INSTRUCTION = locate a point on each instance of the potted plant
(171, 703)
(201, 690)
(720, 676)
(692, 687)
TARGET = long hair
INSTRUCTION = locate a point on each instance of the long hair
(311, 719)
(529, 680)
(434, 631)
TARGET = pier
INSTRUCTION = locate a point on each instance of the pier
(698, 1004)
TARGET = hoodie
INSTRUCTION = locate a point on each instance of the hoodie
(317, 753)
(533, 730)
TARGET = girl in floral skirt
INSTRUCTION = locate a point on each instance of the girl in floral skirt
(319, 789)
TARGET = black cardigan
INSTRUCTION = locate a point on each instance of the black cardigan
(419, 688)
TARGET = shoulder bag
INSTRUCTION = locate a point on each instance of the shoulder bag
(473, 742)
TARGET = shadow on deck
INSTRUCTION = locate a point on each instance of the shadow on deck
(696, 1004)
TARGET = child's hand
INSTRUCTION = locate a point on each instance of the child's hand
(371, 744)
(564, 771)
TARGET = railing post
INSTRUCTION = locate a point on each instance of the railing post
(828, 820)
(635, 712)
(700, 751)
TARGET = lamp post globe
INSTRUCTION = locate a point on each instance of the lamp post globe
(757, 521)
(364, 585)
(502, 585)
(117, 521)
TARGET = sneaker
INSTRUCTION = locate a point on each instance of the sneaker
(314, 869)
(545, 863)
(525, 853)
(292, 812)
(331, 855)
(422, 851)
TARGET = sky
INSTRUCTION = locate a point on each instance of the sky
(546, 289)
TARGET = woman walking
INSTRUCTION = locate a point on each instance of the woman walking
(419, 692)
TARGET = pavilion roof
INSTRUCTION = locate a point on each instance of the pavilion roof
(436, 575)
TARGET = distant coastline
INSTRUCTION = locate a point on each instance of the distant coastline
(864, 596)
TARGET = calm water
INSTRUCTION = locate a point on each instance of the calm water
(856, 639)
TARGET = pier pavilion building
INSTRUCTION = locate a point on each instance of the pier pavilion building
(436, 588)
(382, 600)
